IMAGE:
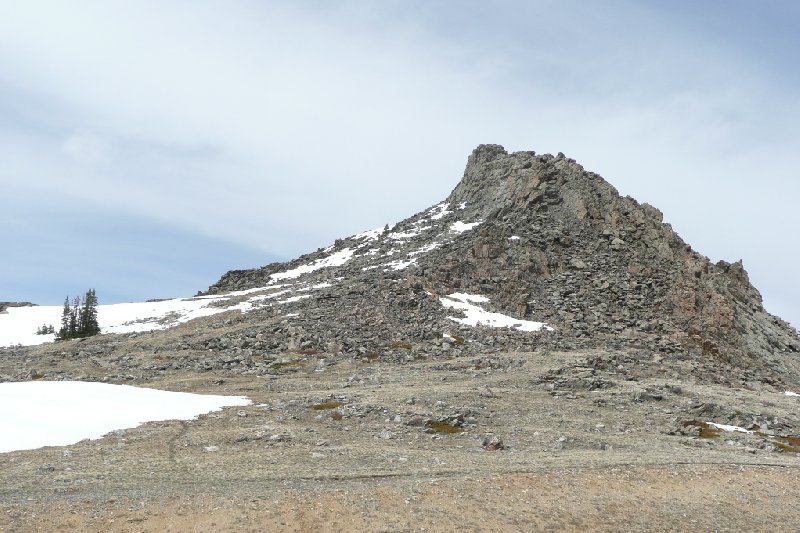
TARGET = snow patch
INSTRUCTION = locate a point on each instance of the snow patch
(337, 259)
(58, 413)
(475, 315)
(724, 427)
(294, 299)
(461, 227)
(790, 393)
(147, 316)
(464, 297)
(399, 236)
(261, 297)
(439, 211)
(514, 238)
(425, 249)
(369, 235)
(248, 291)
(401, 264)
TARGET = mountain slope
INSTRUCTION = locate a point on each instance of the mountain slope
(529, 252)
(544, 240)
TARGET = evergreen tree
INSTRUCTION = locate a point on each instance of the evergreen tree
(79, 319)
(63, 333)
(73, 317)
(88, 323)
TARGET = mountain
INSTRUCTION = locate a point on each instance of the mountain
(528, 252)
(538, 239)
(533, 342)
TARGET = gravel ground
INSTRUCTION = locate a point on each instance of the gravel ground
(364, 445)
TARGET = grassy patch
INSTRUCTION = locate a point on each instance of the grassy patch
(443, 427)
(788, 444)
(288, 364)
(333, 404)
(405, 345)
(706, 431)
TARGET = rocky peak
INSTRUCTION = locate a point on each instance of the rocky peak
(532, 238)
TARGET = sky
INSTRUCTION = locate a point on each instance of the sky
(148, 147)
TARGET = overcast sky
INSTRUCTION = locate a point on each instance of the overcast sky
(148, 147)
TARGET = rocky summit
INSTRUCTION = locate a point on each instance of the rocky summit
(538, 239)
(535, 352)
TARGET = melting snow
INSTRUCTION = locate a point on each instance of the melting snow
(439, 211)
(369, 235)
(339, 258)
(464, 297)
(461, 227)
(475, 315)
(408, 234)
(269, 296)
(248, 291)
(425, 249)
(724, 427)
(401, 264)
(294, 299)
(57, 413)
(146, 316)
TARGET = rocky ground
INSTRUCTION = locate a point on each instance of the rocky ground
(513, 441)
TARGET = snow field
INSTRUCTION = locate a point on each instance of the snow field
(58, 413)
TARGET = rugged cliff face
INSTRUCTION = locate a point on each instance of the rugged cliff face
(544, 240)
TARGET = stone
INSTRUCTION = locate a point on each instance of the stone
(493, 443)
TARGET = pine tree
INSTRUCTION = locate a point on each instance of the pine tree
(63, 333)
(78, 319)
(89, 324)
(73, 317)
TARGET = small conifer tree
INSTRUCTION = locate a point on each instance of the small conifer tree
(79, 319)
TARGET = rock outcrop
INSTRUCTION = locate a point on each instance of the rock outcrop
(6, 305)
(544, 240)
